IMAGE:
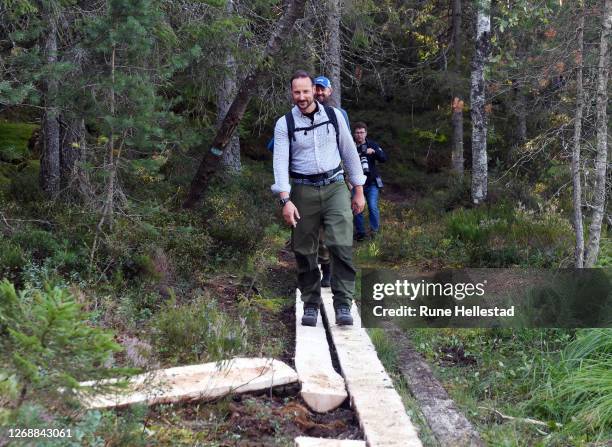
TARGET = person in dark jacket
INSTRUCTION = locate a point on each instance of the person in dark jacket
(369, 152)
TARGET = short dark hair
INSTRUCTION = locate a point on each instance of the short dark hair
(360, 125)
(301, 74)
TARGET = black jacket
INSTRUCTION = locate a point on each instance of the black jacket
(378, 155)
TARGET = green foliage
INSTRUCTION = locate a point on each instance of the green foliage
(238, 212)
(51, 344)
(14, 139)
(605, 252)
(197, 332)
(501, 237)
(39, 243)
(12, 258)
(86, 430)
(24, 184)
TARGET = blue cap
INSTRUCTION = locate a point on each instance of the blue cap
(322, 81)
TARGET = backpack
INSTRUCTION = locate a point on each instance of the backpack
(291, 129)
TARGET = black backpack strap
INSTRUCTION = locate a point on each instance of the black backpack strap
(290, 131)
(331, 116)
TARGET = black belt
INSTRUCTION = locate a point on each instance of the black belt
(316, 177)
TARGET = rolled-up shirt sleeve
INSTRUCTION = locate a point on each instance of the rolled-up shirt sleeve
(281, 158)
(349, 155)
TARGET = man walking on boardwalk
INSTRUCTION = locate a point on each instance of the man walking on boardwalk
(309, 150)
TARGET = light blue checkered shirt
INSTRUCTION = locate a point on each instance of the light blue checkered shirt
(314, 152)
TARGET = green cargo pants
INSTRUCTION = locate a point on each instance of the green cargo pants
(328, 206)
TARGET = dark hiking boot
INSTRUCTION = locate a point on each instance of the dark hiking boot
(310, 315)
(343, 316)
(360, 237)
(325, 281)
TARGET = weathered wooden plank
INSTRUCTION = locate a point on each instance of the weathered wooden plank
(448, 424)
(379, 407)
(323, 389)
(195, 382)
(305, 441)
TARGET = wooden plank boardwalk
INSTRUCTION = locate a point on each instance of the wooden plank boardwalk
(194, 382)
(379, 407)
(323, 389)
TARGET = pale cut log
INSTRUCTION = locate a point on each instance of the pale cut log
(379, 407)
(323, 389)
(305, 441)
(194, 382)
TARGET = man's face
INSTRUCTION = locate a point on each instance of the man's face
(360, 135)
(302, 93)
(322, 93)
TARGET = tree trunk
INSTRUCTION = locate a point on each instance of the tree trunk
(577, 192)
(457, 103)
(111, 164)
(477, 99)
(225, 96)
(50, 158)
(521, 116)
(333, 54)
(599, 196)
(211, 160)
(457, 144)
(72, 143)
(457, 32)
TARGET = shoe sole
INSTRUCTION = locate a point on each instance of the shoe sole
(344, 323)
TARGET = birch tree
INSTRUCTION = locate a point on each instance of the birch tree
(576, 181)
(477, 99)
(601, 158)
(225, 96)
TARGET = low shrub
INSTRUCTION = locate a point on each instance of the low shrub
(197, 332)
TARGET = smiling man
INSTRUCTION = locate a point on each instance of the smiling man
(310, 142)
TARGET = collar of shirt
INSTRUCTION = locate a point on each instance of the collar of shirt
(311, 115)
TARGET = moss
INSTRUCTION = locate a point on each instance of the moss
(14, 139)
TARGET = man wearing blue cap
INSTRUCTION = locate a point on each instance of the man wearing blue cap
(323, 94)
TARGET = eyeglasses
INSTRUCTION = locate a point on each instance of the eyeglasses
(359, 132)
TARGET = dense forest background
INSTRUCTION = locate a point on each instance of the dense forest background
(129, 241)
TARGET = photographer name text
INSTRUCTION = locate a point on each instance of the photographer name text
(411, 290)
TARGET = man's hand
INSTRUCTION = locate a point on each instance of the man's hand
(370, 151)
(358, 200)
(290, 214)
